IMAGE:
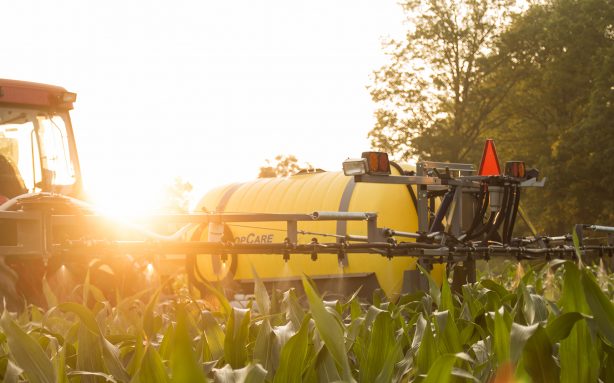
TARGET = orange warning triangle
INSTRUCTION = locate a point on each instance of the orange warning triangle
(490, 163)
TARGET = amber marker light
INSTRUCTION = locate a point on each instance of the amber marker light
(377, 163)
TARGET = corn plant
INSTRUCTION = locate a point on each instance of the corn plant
(542, 325)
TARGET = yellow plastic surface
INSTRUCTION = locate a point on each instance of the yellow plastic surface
(307, 193)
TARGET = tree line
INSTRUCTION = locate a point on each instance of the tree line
(538, 79)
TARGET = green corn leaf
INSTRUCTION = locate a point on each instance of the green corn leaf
(325, 366)
(89, 357)
(448, 336)
(263, 348)
(561, 326)
(292, 308)
(494, 286)
(151, 368)
(50, 297)
(262, 296)
(433, 286)
(578, 357)
(518, 338)
(93, 376)
(27, 352)
(252, 373)
(166, 346)
(59, 362)
(382, 352)
(447, 299)
(427, 350)
(441, 370)
(330, 330)
(573, 297)
(237, 337)
(576, 233)
(501, 339)
(220, 296)
(600, 306)
(528, 308)
(12, 372)
(138, 353)
(148, 316)
(214, 335)
(294, 355)
(537, 358)
(184, 364)
(110, 353)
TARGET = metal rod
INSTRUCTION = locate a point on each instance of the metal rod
(341, 216)
(606, 229)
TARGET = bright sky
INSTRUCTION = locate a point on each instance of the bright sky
(204, 90)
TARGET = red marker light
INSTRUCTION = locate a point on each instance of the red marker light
(377, 163)
(490, 163)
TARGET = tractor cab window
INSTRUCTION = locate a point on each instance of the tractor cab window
(55, 155)
(37, 145)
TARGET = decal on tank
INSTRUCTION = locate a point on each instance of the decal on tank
(255, 238)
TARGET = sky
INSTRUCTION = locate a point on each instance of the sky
(202, 90)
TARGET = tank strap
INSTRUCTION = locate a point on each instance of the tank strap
(221, 206)
(344, 205)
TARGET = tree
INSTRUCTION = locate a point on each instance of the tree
(284, 166)
(178, 195)
(437, 94)
(560, 115)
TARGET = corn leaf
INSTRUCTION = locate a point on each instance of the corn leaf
(263, 348)
(237, 336)
(151, 368)
(601, 307)
(578, 357)
(433, 286)
(538, 360)
(494, 286)
(325, 366)
(292, 308)
(382, 352)
(50, 297)
(561, 326)
(214, 335)
(220, 297)
(518, 338)
(148, 316)
(427, 351)
(262, 296)
(12, 372)
(184, 365)
(89, 356)
(501, 339)
(293, 358)
(28, 354)
(93, 376)
(441, 370)
(447, 299)
(110, 353)
(330, 330)
(252, 373)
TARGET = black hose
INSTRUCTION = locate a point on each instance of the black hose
(510, 221)
(479, 211)
(441, 212)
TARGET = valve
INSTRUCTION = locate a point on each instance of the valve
(314, 253)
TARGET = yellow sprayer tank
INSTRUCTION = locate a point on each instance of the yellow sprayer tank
(306, 193)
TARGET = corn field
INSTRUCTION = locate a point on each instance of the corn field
(550, 324)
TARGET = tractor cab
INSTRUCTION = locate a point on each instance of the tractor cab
(37, 147)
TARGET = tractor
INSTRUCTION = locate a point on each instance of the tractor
(369, 226)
